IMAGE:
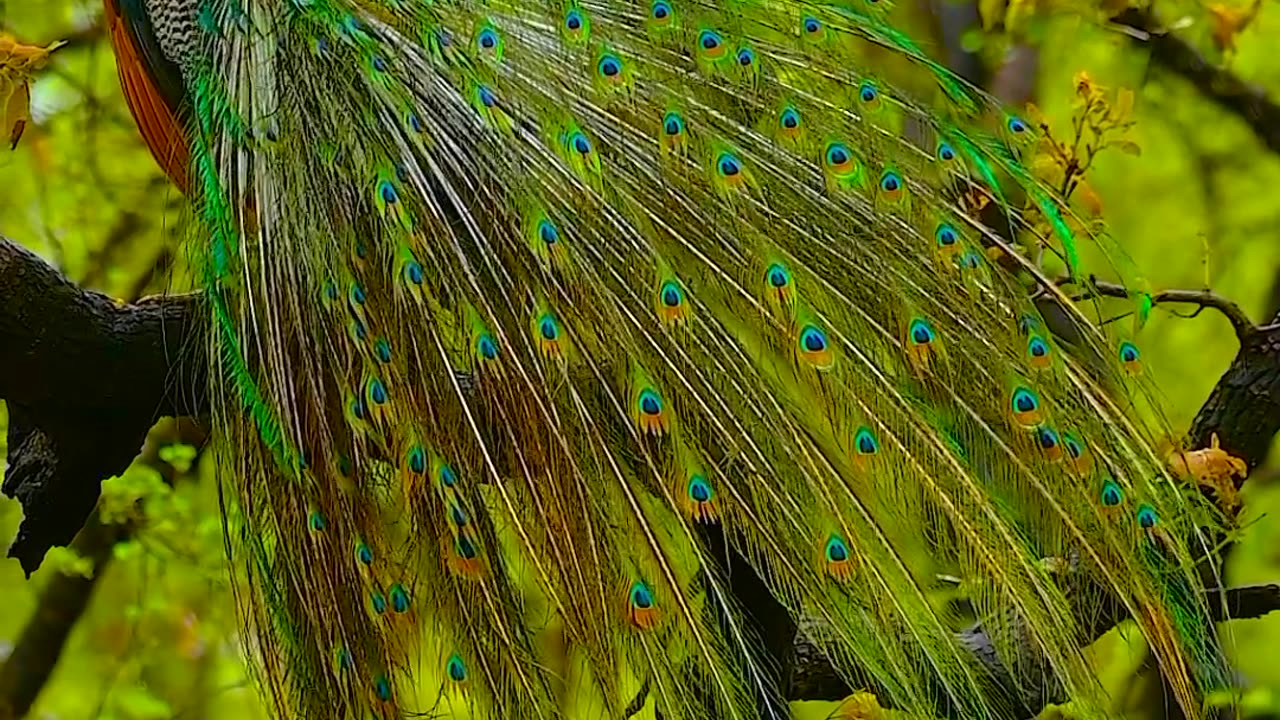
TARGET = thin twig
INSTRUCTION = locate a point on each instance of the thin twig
(1240, 322)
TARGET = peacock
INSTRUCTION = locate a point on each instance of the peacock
(529, 313)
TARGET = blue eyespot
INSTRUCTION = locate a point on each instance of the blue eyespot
(458, 516)
(661, 10)
(610, 66)
(466, 548)
(547, 328)
(399, 598)
(641, 596)
(547, 232)
(447, 478)
(837, 550)
(457, 669)
(746, 57)
(921, 333)
(414, 270)
(699, 490)
(1024, 401)
(671, 295)
(867, 91)
(813, 339)
(1048, 439)
(1112, 495)
(1037, 347)
(573, 20)
(865, 441)
(377, 391)
(1147, 517)
(388, 192)
(650, 403)
(672, 125)
(729, 165)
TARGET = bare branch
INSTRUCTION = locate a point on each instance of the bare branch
(1240, 322)
(1250, 103)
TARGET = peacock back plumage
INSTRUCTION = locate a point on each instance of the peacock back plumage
(513, 299)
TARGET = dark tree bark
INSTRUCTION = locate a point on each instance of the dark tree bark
(85, 378)
(1243, 409)
(1223, 88)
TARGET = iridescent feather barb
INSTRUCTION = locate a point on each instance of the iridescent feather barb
(512, 300)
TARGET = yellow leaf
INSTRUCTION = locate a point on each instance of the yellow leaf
(860, 706)
(17, 64)
(992, 12)
(1086, 88)
(1019, 15)
(1124, 104)
(1035, 115)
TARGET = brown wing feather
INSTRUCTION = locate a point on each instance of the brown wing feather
(160, 128)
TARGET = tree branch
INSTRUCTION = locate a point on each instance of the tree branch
(1240, 322)
(1219, 85)
(66, 597)
(85, 378)
(1243, 409)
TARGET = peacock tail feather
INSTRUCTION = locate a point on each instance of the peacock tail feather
(512, 298)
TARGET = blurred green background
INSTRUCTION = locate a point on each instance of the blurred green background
(1197, 208)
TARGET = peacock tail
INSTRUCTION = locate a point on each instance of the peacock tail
(512, 299)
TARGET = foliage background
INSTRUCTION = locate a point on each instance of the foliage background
(1196, 209)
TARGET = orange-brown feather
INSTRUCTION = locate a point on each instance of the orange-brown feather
(160, 128)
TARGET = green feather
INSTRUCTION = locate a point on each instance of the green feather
(513, 299)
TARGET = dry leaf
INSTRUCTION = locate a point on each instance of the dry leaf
(1090, 197)
(1211, 467)
(1230, 22)
(17, 64)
